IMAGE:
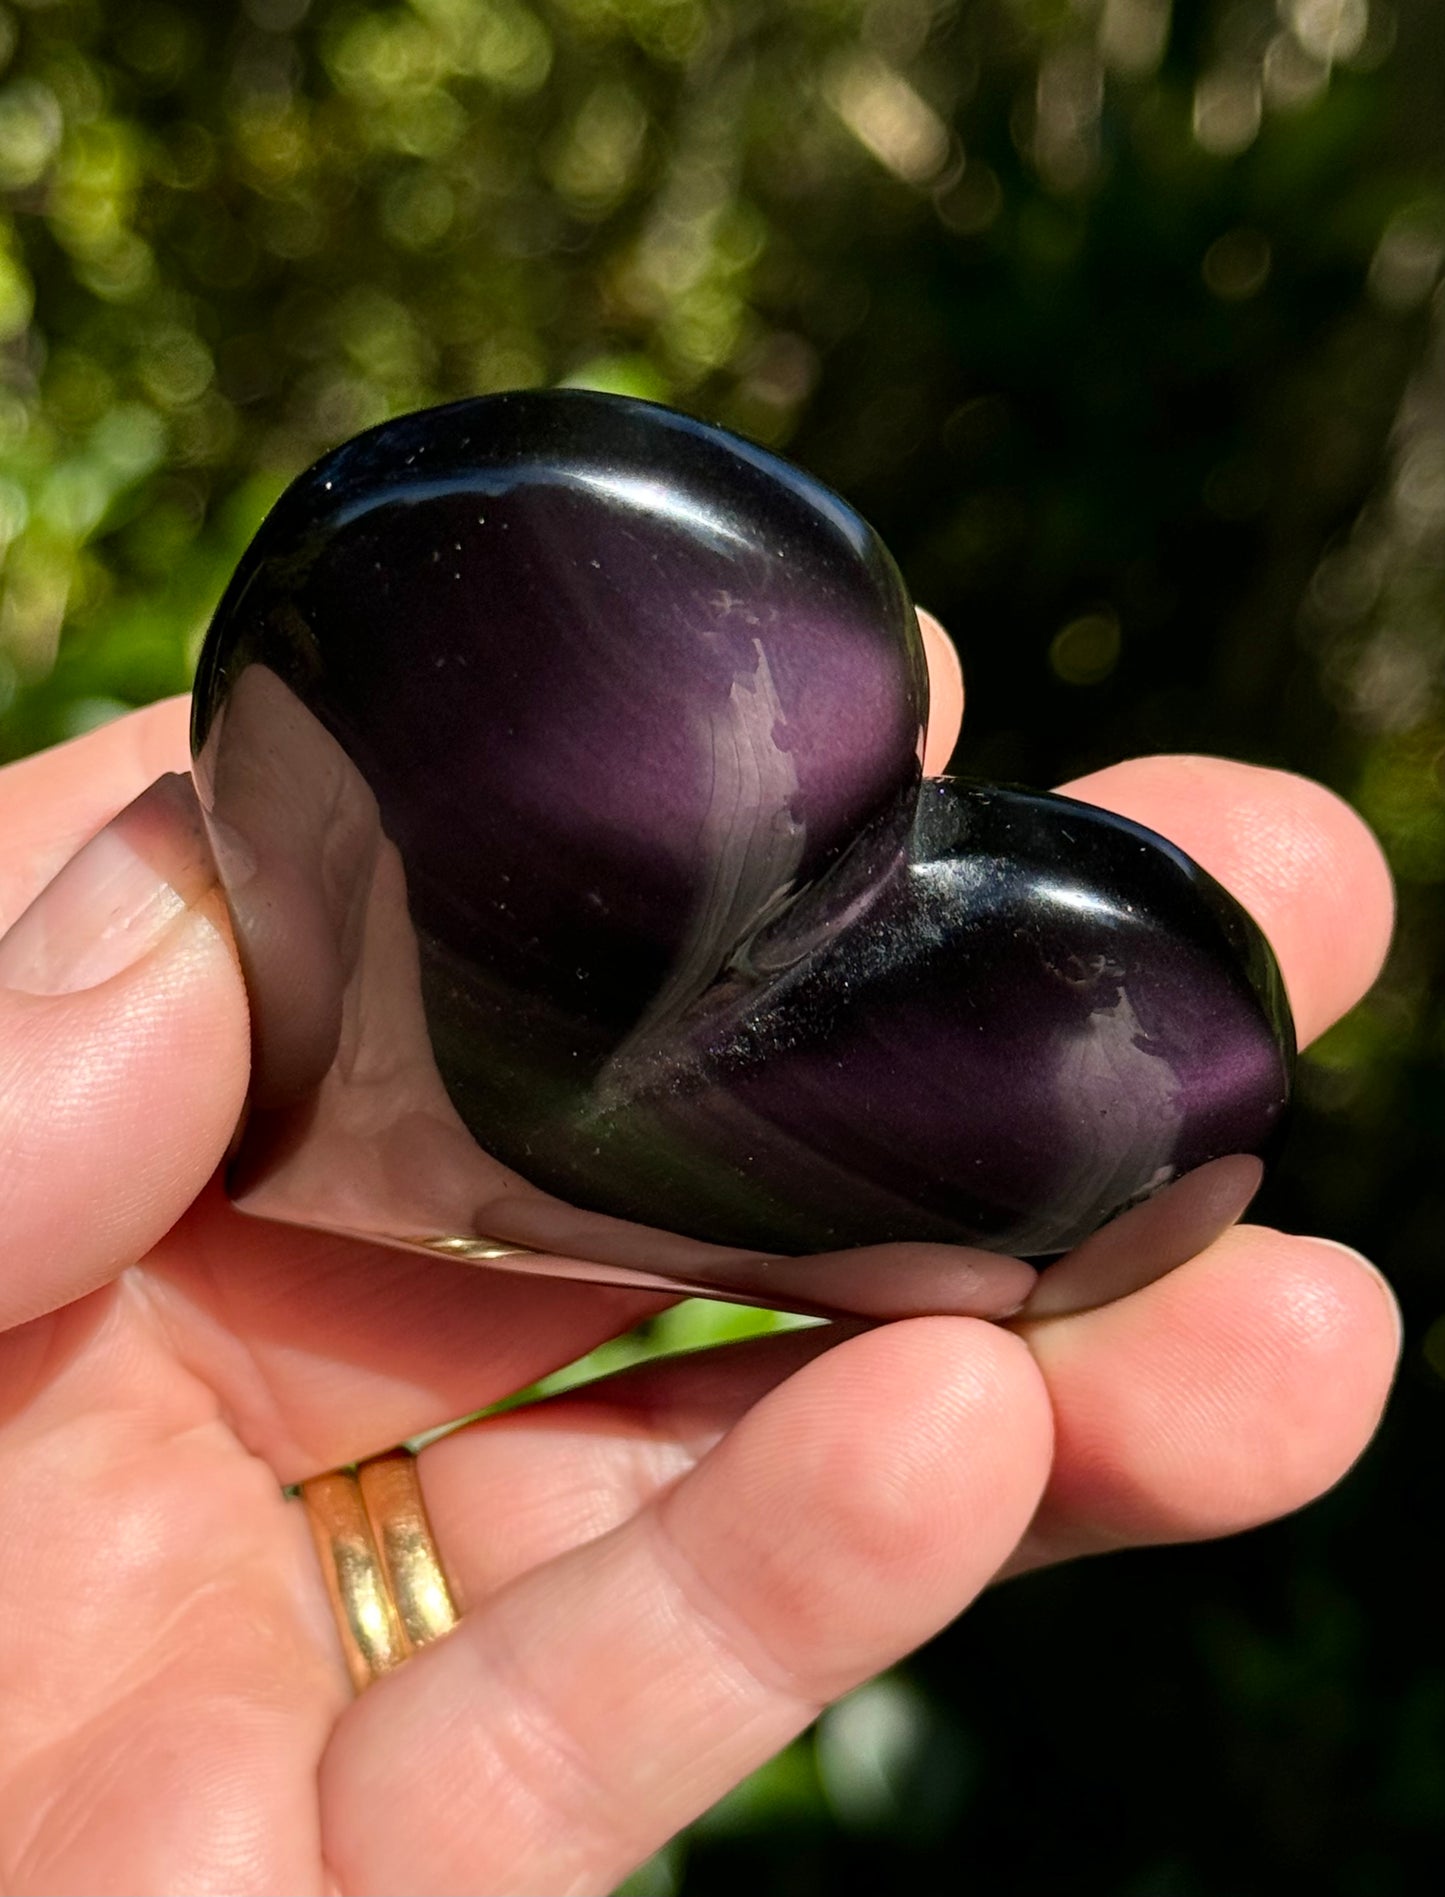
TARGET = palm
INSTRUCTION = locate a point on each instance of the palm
(158, 1417)
(170, 1683)
(663, 1578)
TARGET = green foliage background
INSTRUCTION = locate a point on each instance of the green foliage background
(1122, 320)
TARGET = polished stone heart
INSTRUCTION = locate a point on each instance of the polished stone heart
(561, 756)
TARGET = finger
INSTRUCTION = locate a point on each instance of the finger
(324, 1350)
(564, 1471)
(123, 1052)
(573, 1722)
(54, 802)
(1300, 860)
(945, 695)
(1236, 1389)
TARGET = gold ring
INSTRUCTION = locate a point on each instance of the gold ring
(380, 1564)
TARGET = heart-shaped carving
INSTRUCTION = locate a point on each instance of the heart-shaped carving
(562, 759)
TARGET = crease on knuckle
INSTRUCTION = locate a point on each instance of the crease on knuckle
(556, 1786)
(738, 1642)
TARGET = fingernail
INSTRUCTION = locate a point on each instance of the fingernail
(114, 900)
(1150, 1240)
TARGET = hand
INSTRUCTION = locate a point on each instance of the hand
(664, 1577)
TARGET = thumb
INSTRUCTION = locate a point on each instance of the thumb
(124, 1052)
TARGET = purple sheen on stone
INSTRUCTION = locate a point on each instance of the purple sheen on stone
(561, 756)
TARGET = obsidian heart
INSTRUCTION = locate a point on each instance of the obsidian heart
(561, 755)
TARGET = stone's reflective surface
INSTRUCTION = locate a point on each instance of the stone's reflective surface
(561, 758)
(616, 687)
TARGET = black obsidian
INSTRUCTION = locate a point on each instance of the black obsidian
(562, 760)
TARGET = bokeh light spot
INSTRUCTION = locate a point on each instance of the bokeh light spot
(1086, 650)
(1236, 266)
